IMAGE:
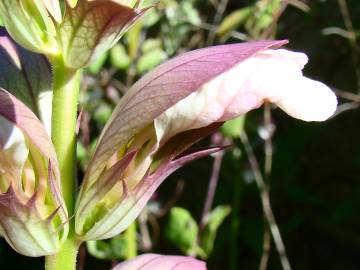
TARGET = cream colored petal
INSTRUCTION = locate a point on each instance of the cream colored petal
(309, 101)
(45, 109)
(12, 143)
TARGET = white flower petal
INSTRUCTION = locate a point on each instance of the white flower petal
(45, 106)
(13, 146)
(309, 101)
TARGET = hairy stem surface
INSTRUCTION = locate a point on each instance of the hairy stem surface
(65, 259)
(66, 84)
(63, 129)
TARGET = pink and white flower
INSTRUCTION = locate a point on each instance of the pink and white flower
(174, 106)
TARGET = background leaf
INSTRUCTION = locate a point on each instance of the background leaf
(212, 223)
(182, 230)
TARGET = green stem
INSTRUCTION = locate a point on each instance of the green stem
(131, 241)
(64, 113)
(65, 259)
(66, 84)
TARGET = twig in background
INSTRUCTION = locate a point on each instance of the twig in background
(234, 34)
(265, 200)
(235, 224)
(131, 73)
(145, 238)
(213, 180)
(352, 105)
(346, 107)
(266, 248)
(217, 19)
(355, 54)
(270, 31)
(268, 140)
(268, 166)
(173, 199)
(347, 95)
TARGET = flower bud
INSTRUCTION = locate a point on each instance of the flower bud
(33, 218)
(30, 24)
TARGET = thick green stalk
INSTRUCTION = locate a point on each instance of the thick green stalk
(65, 259)
(131, 241)
(64, 113)
(66, 84)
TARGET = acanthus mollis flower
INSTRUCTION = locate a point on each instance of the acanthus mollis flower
(161, 262)
(76, 30)
(33, 217)
(174, 106)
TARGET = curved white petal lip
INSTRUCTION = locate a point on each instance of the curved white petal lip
(311, 101)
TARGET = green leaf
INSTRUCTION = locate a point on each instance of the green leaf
(99, 249)
(98, 64)
(102, 113)
(150, 60)
(265, 14)
(192, 14)
(119, 247)
(119, 57)
(151, 44)
(234, 20)
(233, 128)
(113, 249)
(133, 37)
(152, 17)
(182, 230)
(213, 221)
